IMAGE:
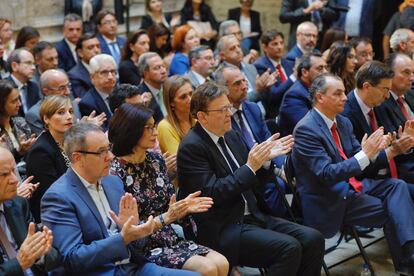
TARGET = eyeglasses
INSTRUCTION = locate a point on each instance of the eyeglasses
(151, 128)
(225, 109)
(367, 54)
(309, 35)
(62, 88)
(107, 22)
(385, 89)
(105, 73)
(102, 153)
(28, 63)
(239, 33)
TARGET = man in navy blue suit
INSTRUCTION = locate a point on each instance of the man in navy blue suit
(103, 75)
(333, 169)
(273, 45)
(111, 43)
(22, 69)
(296, 102)
(306, 38)
(79, 76)
(66, 48)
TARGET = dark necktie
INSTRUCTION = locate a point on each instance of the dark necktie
(357, 185)
(404, 111)
(281, 74)
(5, 243)
(374, 126)
(245, 132)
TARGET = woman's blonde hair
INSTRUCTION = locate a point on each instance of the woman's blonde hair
(51, 104)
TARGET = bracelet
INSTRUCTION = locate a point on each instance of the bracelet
(162, 220)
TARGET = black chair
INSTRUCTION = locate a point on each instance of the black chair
(346, 229)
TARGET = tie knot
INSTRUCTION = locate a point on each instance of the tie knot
(333, 127)
(400, 100)
(221, 142)
(371, 113)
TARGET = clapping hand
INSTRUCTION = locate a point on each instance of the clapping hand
(193, 203)
(171, 163)
(280, 145)
(95, 119)
(26, 188)
(266, 80)
(376, 142)
(25, 144)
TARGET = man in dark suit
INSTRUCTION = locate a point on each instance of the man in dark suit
(22, 248)
(306, 39)
(95, 222)
(103, 76)
(66, 48)
(214, 159)
(79, 76)
(111, 43)
(296, 101)
(46, 57)
(273, 46)
(248, 121)
(153, 72)
(202, 63)
(333, 169)
(22, 67)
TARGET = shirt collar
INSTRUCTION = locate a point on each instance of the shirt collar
(213, 137)
(102, 94)
(88, 186)
(152, 89)
(199, 77)
(365, 109)
(274, 62)
(18, 83)
(327, 121)
(109, 41)
(71, 45)
(395, 96)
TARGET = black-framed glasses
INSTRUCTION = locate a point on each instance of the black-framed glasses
(62, 88)
(100, 153)
(105, 73)
(151, 128)
(223, 110)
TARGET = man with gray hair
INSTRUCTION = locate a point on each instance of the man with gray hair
(202, 64)
(103, 76)
(153, 73)
(306, 39)
(402, 41)
(66, 48)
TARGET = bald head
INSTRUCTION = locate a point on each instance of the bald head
(8, 178)
(54, 82)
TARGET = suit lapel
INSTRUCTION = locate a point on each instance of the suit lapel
(113, 199)
(100, 103)
(359, 116)
(16, 224)
(251, 121)
(327, 132)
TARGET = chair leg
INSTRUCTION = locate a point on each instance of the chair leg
(362, 250)
(325, 268)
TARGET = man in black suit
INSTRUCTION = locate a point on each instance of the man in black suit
(22, 68)
(153, 72)
(66, 48)
(23, 250)
(79, 76)
(46, 57)
(213, 158)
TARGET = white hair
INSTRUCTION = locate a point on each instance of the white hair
(97, 61)
(400, 35)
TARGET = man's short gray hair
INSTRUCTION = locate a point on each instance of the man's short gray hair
(97, 61)
(400, 35)
(319, 85)
(221, 44)
(71, 17)
(225, 25)
(219, 73)
(75, 137)
(143, 65)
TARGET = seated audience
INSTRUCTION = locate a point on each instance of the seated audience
(363, 50)
(14, 130)
(213, 159)
(132, 133)
(22, 67)
(184, 38)
(95, 223)
(6, 35)
(111, 43)
(273, 45)
(86, 48)
(342, 62)
(334, 175)
(46, 57)
(249, 22)
(27, 38)
(25, 251)
(136, 44)
(296, 102)
(66, 48)
(155, 15)
(103, 76)
(306, 39)
(202, 64)
(153, 73)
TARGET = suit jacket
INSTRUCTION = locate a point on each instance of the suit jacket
(250, 73)
(18, 217)
(273, 99)
(33, 94)
(201, 166)
(234, 14)
(293, 54)
(295, 104)
(93, 101)
(128, 72)
(291, 11)
(322, 178)
(80, 79)
(46, 163)
(80, 234)
(105, 47)
(146, 21)
(193, 79)
(66, 59)
(158, 116)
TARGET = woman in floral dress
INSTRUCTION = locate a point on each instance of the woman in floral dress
(133, 132)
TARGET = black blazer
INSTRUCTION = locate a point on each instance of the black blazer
(158, 116)
(18, 217)
(66, 59)
(128, 73)
(234, 14)
(33, 94)
(45, 162)
(146, 21)
(80, 79)
(93, 101)
(201, 167)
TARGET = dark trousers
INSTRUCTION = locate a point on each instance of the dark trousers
(284, 247)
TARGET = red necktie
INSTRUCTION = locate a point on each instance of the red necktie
(403, 109)
(374, 127)
(357, 185)
(281, 74)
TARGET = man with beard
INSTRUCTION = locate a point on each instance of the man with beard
(202, 64)
(306, 38)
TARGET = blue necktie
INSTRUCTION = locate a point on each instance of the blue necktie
(245, 132)
(115, 52)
